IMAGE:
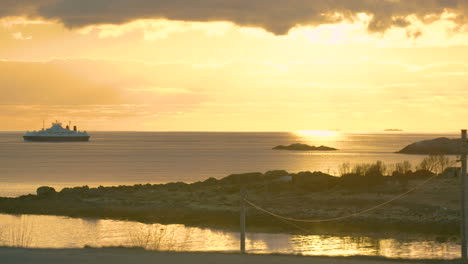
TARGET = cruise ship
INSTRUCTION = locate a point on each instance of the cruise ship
(57, 133)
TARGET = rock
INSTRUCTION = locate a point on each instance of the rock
(303, 147)
(435, 146)
(45, 191)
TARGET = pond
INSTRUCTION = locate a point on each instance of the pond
(40, 231)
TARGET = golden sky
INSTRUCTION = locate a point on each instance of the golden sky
(235, 65)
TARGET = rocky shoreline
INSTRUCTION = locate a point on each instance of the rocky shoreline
(305, 195)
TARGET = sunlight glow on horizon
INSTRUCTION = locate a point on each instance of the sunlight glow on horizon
(165, 75)
(319, 135)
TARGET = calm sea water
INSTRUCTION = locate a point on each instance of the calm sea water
(115, 158)
(65, 232)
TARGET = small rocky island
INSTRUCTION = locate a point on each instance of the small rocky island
(303, 147)
(440, 146)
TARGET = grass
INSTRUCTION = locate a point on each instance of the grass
(157, 237)
(19, 235)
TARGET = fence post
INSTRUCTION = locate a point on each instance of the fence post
(242, 221)
(464, 196)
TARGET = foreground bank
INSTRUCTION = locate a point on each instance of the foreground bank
(122, 255)
(433, 206)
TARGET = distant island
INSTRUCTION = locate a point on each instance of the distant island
(435, 146)
(393, 130)
(303, 147)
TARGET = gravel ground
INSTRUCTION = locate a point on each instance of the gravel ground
(123, 255)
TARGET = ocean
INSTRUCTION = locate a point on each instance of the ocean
(127, 158)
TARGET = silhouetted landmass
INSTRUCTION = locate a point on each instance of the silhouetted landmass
(441, 145)
(393, 130)
(304, 195)
(303, 147)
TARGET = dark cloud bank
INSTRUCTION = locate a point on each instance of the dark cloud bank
(276, 16)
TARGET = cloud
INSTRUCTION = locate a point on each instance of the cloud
(10, 22)
(154, 29)
(45, 84)
(163, 90)
(277, 16)
(19, 36)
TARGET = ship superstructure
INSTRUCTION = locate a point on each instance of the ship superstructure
(57, 133)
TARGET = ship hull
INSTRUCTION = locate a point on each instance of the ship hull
(56, 139)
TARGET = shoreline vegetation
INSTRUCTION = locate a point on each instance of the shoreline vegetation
(433, 208)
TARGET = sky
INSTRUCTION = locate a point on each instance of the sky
(234, 65)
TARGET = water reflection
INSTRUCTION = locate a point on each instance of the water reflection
(422, 249)
(64, 232)
(334, 246)
(319, 136)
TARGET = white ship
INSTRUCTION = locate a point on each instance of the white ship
(57, 133)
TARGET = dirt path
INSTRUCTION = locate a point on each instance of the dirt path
(121, 255)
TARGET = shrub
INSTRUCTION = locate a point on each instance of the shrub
(360, 169)
(344, 168)
(403, 167)
(435, 163)
(75, 191)
(376, 170)
(365, 176)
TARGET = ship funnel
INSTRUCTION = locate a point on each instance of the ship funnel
(74, 128)
(68, 128)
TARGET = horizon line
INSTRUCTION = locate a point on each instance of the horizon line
(271, 131)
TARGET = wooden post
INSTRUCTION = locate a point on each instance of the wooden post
(242, 221)
(464, 197)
